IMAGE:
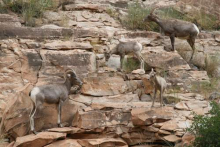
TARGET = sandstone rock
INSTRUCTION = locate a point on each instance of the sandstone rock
(81, 62)
(100, 119)
(169, 125)
(187, 139)
(196, 104)
(184, 124)
(158, 58)
(87, 32)
(65, 143)
(52, 16)
(6, 19)
(88, 100)
(40, 139)
(93, 7)
(181, 106)
(67, 45)
(172, 138)
(68, 130)
(138, 71)
(164, 132)
(138, 136)
(33, 33)
(147, 116)
(106, 86)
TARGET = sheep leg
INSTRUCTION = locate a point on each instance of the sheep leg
(33, 111)
(172, 39)
(59, 114)
(121, 61)
(191, 42)
(155, 93)
(140, 58)
(161, 98)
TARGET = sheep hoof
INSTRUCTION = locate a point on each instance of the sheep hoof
(35, 132)
(60, 125)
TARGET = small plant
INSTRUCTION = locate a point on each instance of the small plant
(131, 64)
(206, 128)
(135, 17)
(28, 9)
(205, 88)
(212, 64)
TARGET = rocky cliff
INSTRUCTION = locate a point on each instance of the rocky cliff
(113, 108)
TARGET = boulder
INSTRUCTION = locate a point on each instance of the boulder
(157, 57)
(147, 116)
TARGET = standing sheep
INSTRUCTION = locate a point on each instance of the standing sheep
(53, 94)
(159, 84)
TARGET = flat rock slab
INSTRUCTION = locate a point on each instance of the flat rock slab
(107, 86)
(38, 140)
(159, 58)
(148, 116)
(102, 142)
(33, 33)
(67, 45)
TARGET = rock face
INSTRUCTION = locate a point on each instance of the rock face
(113, 108)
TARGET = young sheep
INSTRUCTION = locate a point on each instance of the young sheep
(176, 28)
(53, 94)
(124, 48)
(159, 84)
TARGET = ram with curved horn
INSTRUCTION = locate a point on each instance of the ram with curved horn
(176, 28)
(53, 94)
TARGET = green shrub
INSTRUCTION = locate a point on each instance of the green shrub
(131, 64)
(206, 128)
(28, 9)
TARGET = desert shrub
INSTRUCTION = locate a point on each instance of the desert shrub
(130, 64)
(212, 64)
(206, 128)
(28, 9)
(136, 14)
(205, 88)
(134, 19)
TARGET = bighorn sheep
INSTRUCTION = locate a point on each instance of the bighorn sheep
(176, 28)
(124, 48)
(53, 94)
(159, 84)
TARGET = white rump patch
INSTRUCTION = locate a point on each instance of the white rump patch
(34, 92)
(197, 29)
(140, 46)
